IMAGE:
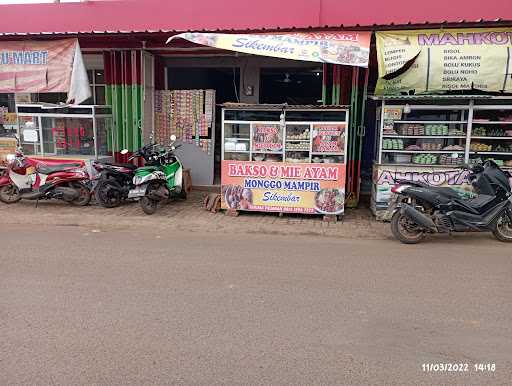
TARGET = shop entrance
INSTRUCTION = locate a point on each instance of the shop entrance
(224, 80)
(295, 86)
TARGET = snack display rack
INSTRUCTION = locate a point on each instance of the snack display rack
(430, 138)
(284, 158)
(190, 115)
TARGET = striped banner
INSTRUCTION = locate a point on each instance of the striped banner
(43, 66)
(123, 75)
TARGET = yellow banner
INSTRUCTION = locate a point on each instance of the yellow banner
(444, 60)
(350, 48)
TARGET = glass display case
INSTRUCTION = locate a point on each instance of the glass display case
(66, 132)
(319, 138)
(431, 138)
(282, 158)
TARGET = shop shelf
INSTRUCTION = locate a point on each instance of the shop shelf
(236, 151)
(424, 136)
(491, 152)
(267, 152)
(502, 137)
(477, 122)
(297, 140)
(423, 151)
(317, 153)
(434, 122)
(236, 139)
(429, 165)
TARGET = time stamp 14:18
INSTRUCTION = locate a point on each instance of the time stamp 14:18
(458, 367)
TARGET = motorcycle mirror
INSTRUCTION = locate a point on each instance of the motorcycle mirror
(173, 138)
(124, 151)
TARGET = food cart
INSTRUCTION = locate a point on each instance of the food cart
(429, 138)
(282, 158)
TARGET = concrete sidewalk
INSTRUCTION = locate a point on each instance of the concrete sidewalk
(189, 215)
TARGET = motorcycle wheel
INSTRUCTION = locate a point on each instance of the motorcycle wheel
(503, 229)
(108, 194)
(84, 195)
(10, 194)
(405, 230)
(148, 205)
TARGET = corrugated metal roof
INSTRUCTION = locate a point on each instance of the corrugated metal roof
(373, 27)
(164, 16)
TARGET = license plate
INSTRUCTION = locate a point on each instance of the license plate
(139, 191)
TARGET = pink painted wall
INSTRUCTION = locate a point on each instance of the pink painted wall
(140, 15)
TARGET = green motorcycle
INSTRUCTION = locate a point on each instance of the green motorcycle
(159, 179)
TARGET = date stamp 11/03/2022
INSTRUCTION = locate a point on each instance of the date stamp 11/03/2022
(463, 367)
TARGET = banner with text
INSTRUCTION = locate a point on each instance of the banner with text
(351, 48)
(385, 176)
(44, 66)
(267, 137)
(444, 60)
(283, 187)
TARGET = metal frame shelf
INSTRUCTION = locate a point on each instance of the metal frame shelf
(462, 114)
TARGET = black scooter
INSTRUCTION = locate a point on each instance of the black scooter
(115, 180)
(113, 183)
(419, 209)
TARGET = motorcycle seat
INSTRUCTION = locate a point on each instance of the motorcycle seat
(445, 191)
(49, 169)
(120, 165)
(479, 201)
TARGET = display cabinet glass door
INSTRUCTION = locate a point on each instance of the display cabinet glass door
(30, 135)
(68, 136)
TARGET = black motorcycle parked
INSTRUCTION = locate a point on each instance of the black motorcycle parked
(113, 183)
(419, 209)
(115, 180)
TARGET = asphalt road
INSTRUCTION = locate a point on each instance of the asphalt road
(91, 306)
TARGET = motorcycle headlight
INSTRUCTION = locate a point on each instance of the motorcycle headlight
(10, 157)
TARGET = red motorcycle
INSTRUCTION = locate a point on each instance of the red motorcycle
(31, 179)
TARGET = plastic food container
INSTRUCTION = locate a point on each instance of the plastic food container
(402, 158)
(230, 146)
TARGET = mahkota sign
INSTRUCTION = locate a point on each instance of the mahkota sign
(444, 60)
(350, 48)
(385, 176)
(44, 66)
(283, 187)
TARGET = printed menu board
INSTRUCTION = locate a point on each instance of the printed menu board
(444, 60)
(328, 138)
(267, 137)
